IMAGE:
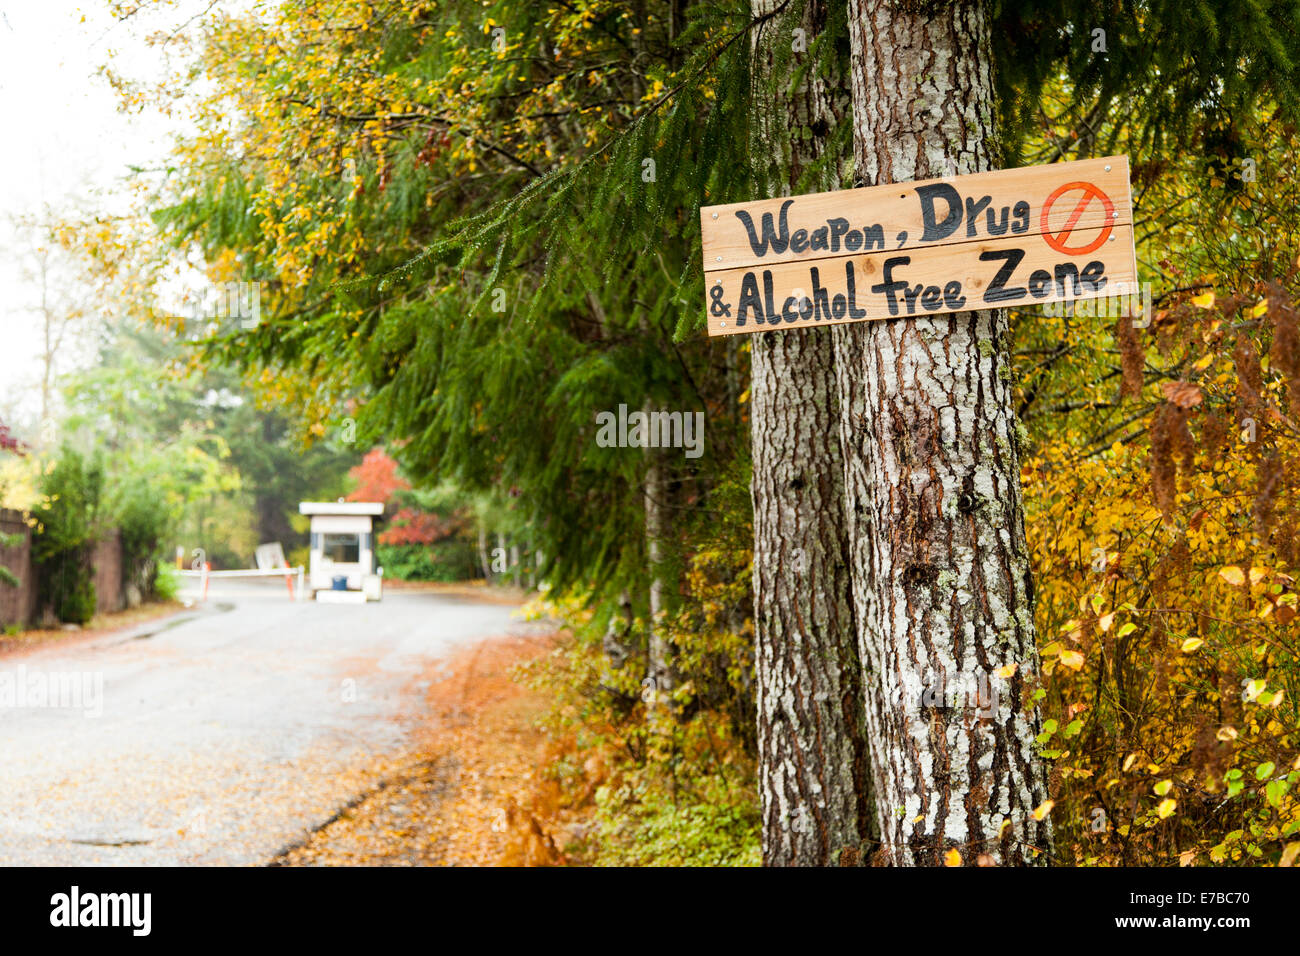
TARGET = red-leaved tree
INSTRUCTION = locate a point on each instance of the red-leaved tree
(377, 478)
(8, 442)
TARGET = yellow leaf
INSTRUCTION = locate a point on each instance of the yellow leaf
(1006, 670)
(1289, 854)
(1105, 621)
(1166, 808)
(1226, 733)
(1204, 301)
(952, 858)
(1259, 309)
(1163, 787)
(1191, 644)
(1187, 858)
(1233, 575)
(1072, 660)
(1129, 761)
(1044, 809)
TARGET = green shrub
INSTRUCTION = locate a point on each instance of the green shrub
(449, 560)
(721, 827)
(67, 525)
(167, 584)
(74, 600)
(143, 526)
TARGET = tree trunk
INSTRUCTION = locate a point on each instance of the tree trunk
(942, 589)
(659, 668)
(483, 552)
(813, 767)
(615, 643)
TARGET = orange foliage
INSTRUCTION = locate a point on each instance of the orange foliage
(376, 478)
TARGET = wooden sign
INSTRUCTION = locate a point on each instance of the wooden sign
(1013, 237)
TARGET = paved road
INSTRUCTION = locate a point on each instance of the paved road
(221, 736)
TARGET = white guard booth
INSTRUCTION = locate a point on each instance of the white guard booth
(343, 546)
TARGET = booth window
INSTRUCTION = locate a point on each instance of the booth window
(342, 548)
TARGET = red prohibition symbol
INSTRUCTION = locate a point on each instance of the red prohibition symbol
(1090, 193)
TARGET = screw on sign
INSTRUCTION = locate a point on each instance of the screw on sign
(1090, 194)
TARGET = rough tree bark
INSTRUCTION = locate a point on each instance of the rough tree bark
(813, 767)
(942, 589)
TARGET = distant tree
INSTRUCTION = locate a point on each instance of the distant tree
(67, 524)
(413, 526)
(377, 478)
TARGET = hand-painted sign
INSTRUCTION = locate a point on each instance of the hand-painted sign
(1012, 237)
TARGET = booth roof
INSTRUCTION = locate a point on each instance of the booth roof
(341, 507)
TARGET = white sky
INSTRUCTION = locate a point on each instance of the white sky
(64, 144)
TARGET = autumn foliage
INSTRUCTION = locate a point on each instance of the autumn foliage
(7, 441)
(377, 478)
(418, 164)
(1166, 563)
